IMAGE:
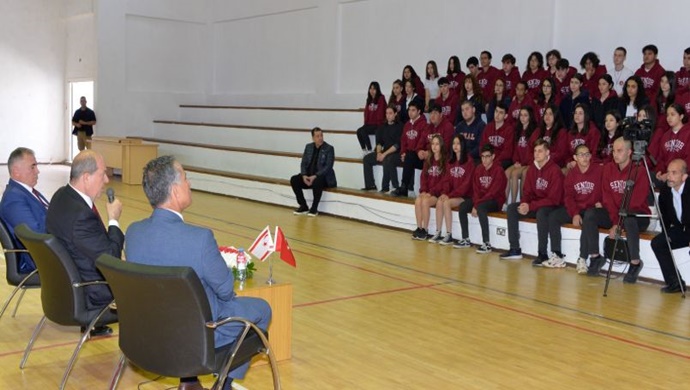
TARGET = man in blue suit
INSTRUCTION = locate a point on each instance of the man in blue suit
(165, 239)
(316, 172)
(21, 202)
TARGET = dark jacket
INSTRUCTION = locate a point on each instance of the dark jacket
(324, 163)
(668, 212)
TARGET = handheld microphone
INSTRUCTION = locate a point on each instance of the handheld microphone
(111, 195)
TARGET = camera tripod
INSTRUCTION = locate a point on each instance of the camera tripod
(638, 161)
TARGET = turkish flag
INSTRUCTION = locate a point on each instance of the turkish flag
(282, 246)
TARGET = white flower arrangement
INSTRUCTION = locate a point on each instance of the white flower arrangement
(229, 254)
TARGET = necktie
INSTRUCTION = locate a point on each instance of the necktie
(39, 197)
(95, 211)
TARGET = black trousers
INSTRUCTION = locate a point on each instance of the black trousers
(679, 239)
(411, 163)
(483, 210)
(317, 187)
(514, 226)
(390, 170)
(555, 220)
(593, 219)
(363, 134)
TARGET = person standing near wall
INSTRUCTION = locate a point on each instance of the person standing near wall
(83, 120)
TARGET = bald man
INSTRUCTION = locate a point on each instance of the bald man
(674, 205)
(74, 219)
(614, 177)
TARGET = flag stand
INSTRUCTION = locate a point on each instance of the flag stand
(270, 281)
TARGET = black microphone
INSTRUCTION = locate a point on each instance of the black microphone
(111, 195)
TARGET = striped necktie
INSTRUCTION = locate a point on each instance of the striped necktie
(40, 197)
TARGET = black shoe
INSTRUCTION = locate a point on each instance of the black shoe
(384, 190)
(595, 265)
(400, 192)
(99, 331)
(373, 188)
(420, 234)
(633, 272)
(672, 289)
(301, 210)
(539, 259)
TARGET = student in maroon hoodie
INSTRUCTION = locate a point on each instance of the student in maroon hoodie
(683, 74)
(438, 124)
(666, 95)
(582, 131)
(500, 96)
(511, 74)
(455, 75)
(486, 76)
(432, 183)
(522, 153)
(374, 116)
(552, 57)
(547, 96)
(582, 192)
(534, 74)
(447, 100)
(554, 132)
(457, 191)
(520, 100)
(676, 141)
(488, 193)
(614, 177)
(412, 132)
(564, 72)
(650, 71)
(592, 70)
(397, 100)
(612, 131)
(501, 135)
(471, 92)
(410, 74)
(542, 193)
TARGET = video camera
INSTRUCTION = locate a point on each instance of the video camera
(634, 130)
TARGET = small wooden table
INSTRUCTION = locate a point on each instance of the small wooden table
(279, 296)
(128, 154)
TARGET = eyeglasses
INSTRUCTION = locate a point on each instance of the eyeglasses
(486, 155)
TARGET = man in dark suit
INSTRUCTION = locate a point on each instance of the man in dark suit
(165, 239)
(316, 172)
(674, 204)
(74, 219)
(21, 202)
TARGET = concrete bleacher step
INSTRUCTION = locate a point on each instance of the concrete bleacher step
(297, 117)
(280, 139)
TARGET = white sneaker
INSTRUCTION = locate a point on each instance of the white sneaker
(436, 238)
(504, 208)
(485, 248)
(554, 261)
(581, 266)
(447, 240)
(464, 243)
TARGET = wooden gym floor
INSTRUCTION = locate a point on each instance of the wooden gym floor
(374, 309)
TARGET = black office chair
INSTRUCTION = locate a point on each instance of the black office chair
(21, 282)
(166, 325)
(62, 292)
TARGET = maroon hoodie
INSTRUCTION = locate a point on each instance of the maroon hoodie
(592, 84)
(650, 79)
(455, 82)
(673, 146)
(459, 179)
(489, 184)
(682, 80)
(433, 178)
(559, 147)
(449, 105)
(533, 80)
(543, 186)
(511, 80)
(375, 112)
(613, 186)
(502, 139)
(515, 106)
(486, 81)
(444, 129)
(591, 139)
(411, 133)
(582, 190)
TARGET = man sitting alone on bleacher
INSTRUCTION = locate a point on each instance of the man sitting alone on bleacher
(542, 192)
(613, 181)
(316, 172)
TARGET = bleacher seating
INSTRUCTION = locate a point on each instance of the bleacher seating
(251, 152)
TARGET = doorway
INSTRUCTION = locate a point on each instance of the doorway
(77, 89)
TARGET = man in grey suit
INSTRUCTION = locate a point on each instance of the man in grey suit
(316, 172)
(165, 239)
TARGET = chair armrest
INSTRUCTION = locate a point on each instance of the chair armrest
(15, 250)
(215, 324)
(91, 283)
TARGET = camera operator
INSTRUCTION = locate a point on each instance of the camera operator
(614, 177)
(675, 143)
(674, 205)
